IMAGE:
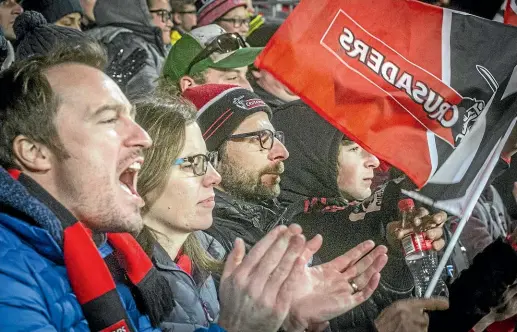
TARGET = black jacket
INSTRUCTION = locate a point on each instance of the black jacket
(236, 218)
(311, 194)
(312, 197)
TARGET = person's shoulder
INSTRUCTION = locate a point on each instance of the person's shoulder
(211, 245)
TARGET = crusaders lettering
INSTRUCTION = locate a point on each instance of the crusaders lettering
(431, 101)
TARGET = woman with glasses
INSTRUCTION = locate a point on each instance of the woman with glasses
(177, 184)
(231, 15)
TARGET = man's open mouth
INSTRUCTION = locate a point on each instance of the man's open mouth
(129, 177)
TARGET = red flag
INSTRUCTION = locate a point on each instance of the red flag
(404, 79)
(510, 13)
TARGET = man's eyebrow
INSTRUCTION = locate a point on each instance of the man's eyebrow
(119, 108)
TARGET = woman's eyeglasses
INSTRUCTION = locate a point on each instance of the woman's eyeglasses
(199, 162)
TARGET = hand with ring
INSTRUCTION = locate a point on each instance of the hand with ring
(331, 289)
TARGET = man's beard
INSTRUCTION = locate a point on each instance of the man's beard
(246, 185)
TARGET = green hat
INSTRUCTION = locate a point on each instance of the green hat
(191, 44)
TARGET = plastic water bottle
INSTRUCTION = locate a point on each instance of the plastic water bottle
(421, 259)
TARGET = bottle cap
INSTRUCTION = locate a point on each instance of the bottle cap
(406, 204)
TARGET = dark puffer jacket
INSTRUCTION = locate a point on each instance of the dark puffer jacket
(197, 304)
(311, 194)
(235, 218)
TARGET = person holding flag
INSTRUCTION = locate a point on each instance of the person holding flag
(326, 188)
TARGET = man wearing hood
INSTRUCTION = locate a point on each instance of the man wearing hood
(326, 189)
(131, 23)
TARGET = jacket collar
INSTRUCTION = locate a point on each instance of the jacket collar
(264, 215)
(162, 261)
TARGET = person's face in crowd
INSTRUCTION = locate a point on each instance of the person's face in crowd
(87, 6)
(162, 18)
(269, 83)
(185, 205)
(248, 170)
(72, 20)
(187, 18)
(9, 11)
(235, 76)
(97, 180)
(355, 171)
(236, 20)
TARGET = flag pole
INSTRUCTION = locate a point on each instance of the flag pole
(466, 215)
(450, 247)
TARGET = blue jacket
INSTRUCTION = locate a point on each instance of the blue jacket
(35, 294)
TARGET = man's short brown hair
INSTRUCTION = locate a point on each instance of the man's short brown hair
(28, 104)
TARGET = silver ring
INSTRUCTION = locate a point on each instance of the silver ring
(354, 287)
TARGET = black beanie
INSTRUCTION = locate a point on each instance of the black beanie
(35, 36)
(53, 10)
(261, 36)
(222, 108)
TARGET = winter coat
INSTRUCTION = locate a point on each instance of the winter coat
(131, 21)
(311, 194)
(236, 218)
(36, 294)
(197, 303)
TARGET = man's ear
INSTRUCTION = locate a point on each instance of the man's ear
(31, 155)
(176, 19)
(186, 82)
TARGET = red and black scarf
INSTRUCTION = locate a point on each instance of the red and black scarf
(91, 277)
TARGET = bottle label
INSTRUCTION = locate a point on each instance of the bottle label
(415, 243)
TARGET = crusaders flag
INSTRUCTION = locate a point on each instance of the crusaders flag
(407, 81)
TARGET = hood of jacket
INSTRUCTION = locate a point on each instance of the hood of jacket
(119, 12)
(313, 144)
(115, 16)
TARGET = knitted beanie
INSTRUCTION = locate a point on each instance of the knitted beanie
(53, 10)
(208, 11)
(37, 37)
(222, 108)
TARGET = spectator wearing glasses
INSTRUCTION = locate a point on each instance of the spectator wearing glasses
(64, 13)
(130, 25)
(184, 17)
(176, 183)
(162, 17)
(207, 55)
(236, 123)
(231, 15)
